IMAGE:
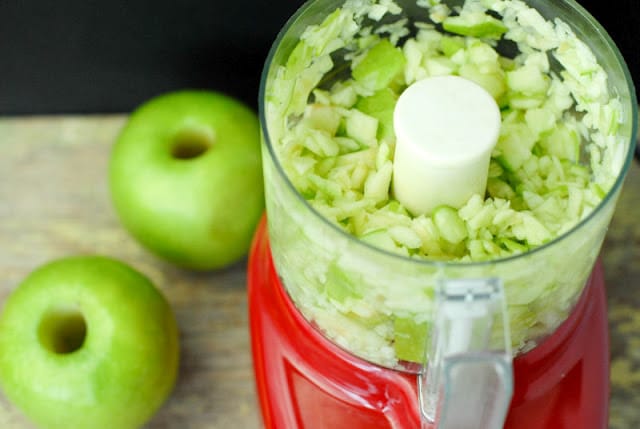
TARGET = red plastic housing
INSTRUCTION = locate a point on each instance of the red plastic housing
(304, 381)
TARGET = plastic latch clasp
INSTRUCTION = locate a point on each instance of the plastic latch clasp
(468, 379)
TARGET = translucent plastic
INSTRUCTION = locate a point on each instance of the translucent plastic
(468, 381)
(380, 291)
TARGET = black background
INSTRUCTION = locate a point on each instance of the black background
(88, 56)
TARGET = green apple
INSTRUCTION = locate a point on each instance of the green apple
(186, 179)
(87, 342)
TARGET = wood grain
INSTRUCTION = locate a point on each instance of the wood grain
(54, 202)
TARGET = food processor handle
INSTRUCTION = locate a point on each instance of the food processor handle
(468, 379)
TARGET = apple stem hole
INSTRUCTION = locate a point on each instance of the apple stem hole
(190, 143)
(62, 330)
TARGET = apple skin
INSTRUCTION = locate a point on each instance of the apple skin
(185, 176)
(122, 371)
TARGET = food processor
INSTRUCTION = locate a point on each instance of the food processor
(352, 325)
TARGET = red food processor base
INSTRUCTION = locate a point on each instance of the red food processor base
(304, 381)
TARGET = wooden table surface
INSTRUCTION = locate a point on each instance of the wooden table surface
(54, 202)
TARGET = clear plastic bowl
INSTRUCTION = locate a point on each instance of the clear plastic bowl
(364, 298)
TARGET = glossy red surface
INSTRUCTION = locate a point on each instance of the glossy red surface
(304, 381)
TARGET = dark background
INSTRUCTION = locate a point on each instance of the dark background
(87, 56)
